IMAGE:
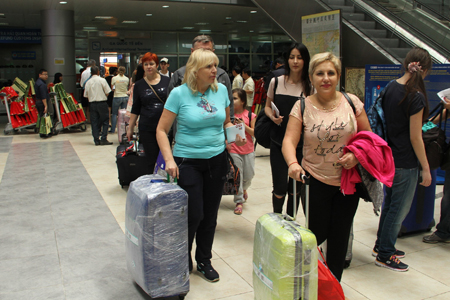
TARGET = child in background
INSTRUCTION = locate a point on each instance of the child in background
(244, 156)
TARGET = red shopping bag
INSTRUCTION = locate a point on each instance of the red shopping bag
(329, 286)
(64, 120)
(73, 98)
(14, 123)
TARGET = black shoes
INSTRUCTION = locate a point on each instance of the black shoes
(397, 253)
(208, 272)
(105, 142)
(392, 263)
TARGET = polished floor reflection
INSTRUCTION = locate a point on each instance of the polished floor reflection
(62, 215)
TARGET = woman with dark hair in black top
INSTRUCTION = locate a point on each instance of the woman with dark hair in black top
(58, 78)
(284, 91)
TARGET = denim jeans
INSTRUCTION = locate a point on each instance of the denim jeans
(397, 204)
(443, 228)
(203, 180)
(118, 103)
(99, 119)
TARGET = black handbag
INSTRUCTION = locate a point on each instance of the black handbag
(263, 129)
(233, 178)
(434, 140)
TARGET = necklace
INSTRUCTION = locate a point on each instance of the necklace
(333, 106)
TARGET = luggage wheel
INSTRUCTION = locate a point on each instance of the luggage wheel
(83, 127)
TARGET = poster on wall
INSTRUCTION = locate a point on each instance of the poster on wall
(322, 32)
(355, 82)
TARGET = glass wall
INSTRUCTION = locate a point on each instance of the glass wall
(254, 51)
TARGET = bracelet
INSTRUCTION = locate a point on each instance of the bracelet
(295, 162)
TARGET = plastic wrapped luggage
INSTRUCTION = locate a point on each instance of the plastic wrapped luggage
(285, 259)
(157, 236)
(131, 162)
(421, 213)
(122, 121)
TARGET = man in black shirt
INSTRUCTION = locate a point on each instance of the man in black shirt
(43, 102)
(277, 71)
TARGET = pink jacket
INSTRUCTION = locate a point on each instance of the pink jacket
(374, 155)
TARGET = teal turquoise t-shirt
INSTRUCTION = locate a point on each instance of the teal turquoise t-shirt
(200, 131)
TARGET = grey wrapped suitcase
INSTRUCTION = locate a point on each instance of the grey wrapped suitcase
(157, 236)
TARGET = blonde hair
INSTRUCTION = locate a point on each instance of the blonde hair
(323, 57)
(122, 70)
(200, 58)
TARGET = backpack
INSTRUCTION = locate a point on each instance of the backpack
(375, 114)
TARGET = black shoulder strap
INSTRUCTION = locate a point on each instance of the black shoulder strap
(250, 118)
(302, 104)
(275, 87)
(349, 102)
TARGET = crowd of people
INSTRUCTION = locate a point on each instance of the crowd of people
(184, 115)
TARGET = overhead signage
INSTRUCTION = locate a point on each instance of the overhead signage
(23, 55)
(20, 36)
(117, 45)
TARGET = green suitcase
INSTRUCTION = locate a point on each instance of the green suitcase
(285, 257)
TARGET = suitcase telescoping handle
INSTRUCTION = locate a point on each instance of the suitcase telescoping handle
(306, 180)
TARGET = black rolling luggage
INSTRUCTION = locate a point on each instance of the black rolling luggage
(131, 162)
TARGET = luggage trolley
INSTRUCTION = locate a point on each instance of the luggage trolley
(59, 126)
(15, 126)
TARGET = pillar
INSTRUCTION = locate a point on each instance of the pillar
(58, 46)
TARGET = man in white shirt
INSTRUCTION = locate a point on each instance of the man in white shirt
(85, 76)
(164, 65)
(97, 90)
(249, 87)
(238, 82)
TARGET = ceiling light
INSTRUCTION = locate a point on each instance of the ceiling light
(228, 18)
(90, 28)
(62, 2)
(130, 22)
(149, 15)
(240, 21)
(251, 31)
(4, 23)
(188, 27)
(253, 12)
(205, 30)
(103, 17)
(201, 23)
(165, 6)
(2, 14)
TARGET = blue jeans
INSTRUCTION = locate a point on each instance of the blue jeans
(397, 204)
(443, 228)
(99, 119)
(118, 103)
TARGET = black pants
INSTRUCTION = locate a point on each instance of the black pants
(281, 183)
(330, 218)
(151, 148)
(99, 119)
(203, 180)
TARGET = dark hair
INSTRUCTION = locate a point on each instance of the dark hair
(57, 78)
(42, 71)
(280, 60)
(94, 70)
(112, 70)
(139, 73)
(237, 69)
(203, 38)
(247, 71)
(306, 58)
(242, 95)
(416, 83)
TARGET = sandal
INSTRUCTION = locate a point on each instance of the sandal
(238, 209)
(245, 195)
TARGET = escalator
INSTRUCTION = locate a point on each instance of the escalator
(374, 32)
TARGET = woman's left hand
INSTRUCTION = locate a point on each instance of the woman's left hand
(348, 161)
(240, 141)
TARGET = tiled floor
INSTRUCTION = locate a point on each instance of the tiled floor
(62, 213)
